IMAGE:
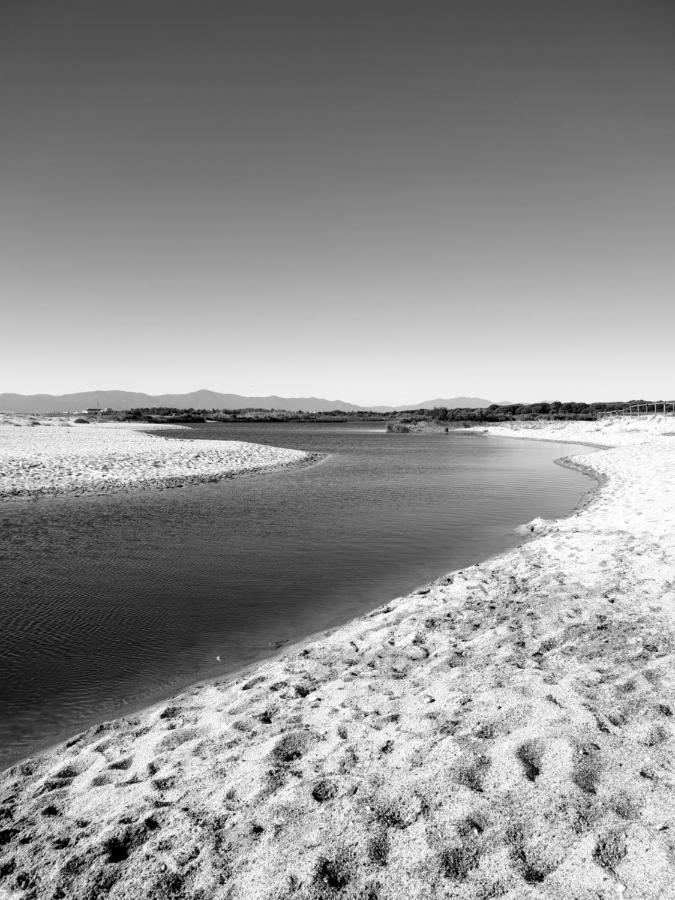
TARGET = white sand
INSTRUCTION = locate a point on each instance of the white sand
(56, 457)
(507, 733)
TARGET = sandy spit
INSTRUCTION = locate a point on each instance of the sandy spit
(55, 457)
(505, 732)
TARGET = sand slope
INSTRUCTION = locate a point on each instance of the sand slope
(56, 457)
(507, 733)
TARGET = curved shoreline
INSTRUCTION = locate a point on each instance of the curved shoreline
(98, 460)
(158, 697)
(569, 462)
(169, 483)
(505, 731)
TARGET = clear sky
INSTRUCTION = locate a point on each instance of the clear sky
(378, 201)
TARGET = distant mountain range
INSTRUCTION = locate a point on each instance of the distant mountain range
(449, 403)
(122, 400)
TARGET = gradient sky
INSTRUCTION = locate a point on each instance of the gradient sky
(381, 202)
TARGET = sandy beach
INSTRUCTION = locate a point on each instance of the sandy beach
(504, 732)
(56, 456)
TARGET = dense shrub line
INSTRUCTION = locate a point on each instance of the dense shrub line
(494, 413)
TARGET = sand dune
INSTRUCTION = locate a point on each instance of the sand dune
(57, 457)
(506, 732)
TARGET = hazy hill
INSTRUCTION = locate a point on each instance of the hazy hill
(452, 403)
(46, 403)
(43, 403)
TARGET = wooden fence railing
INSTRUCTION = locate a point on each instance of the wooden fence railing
(665, 407)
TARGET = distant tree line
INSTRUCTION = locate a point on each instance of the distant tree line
(169, 414)
(494, 413)
(145, 414)
(524, 411)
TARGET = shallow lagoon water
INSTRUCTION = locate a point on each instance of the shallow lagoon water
(109, 603)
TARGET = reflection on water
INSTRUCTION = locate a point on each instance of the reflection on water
(108, 603)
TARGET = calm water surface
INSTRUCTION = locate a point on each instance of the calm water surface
(108, 603)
